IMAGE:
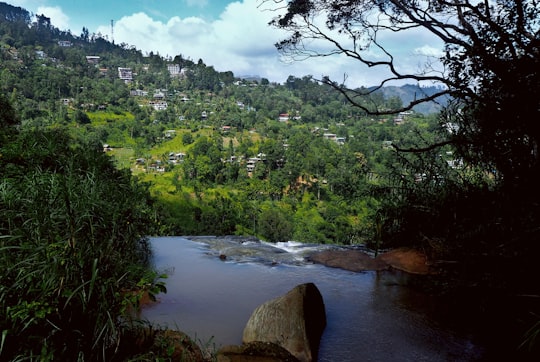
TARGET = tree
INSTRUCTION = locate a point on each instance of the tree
(489, 66)
(275, 226)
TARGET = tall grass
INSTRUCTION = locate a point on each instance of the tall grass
(73, 241)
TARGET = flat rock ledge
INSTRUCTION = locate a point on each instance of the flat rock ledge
(404, 259)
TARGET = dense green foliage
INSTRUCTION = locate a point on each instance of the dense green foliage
(319, 183)
(73, 247)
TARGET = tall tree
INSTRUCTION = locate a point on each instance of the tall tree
(489, 65)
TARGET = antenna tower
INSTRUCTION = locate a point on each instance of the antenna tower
(112, 31)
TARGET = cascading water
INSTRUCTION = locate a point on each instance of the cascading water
(371, 315)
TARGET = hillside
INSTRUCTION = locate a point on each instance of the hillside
(223, 154)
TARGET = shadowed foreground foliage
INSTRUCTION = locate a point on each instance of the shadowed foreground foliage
(72, 240)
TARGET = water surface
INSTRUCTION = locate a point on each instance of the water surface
(370, 315)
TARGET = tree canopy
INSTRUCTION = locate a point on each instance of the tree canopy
(489, 64)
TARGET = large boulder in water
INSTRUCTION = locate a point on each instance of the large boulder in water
(294, 321)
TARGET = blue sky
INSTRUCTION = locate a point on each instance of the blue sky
(229, 35)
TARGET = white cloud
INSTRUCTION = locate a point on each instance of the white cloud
(57, 16)
(241, 40)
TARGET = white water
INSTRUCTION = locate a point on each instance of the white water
(370, 316)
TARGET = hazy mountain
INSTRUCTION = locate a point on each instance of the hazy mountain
(409, 92)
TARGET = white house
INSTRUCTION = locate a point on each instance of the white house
(126, 74)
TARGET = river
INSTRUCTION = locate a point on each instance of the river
(371, 316)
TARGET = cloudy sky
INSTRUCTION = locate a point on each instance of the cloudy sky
(225, 34)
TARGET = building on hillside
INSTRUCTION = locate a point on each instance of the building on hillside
(251, 163)
(169, 133)
(330, 136)
(92, 59)
(138, 93)
(65, 43)
(160, 93)
(175, 70)
(126, 74)
(283, 117)
(176, 158)
(159, 105)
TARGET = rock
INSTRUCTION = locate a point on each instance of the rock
(255, 352)
(404, 259)
(408, 260)
(352, 260)
(294, 321)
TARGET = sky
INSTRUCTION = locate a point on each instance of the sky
(228, 35)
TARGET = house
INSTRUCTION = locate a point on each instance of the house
(174, 70)
(126, 74)
(170, 133)
(138, 93)
(159, 105)
(330, 136)
(159, 94)
(283, 117)
(225, 129)
(156, 166)
(92, 59)
(251, 162)
(340, 140)
(65, 43)
(176, 158)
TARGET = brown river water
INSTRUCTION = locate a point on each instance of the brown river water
(371, 316)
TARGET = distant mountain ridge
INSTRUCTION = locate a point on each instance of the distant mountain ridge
(409, 92)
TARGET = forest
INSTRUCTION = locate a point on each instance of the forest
(101, 144)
